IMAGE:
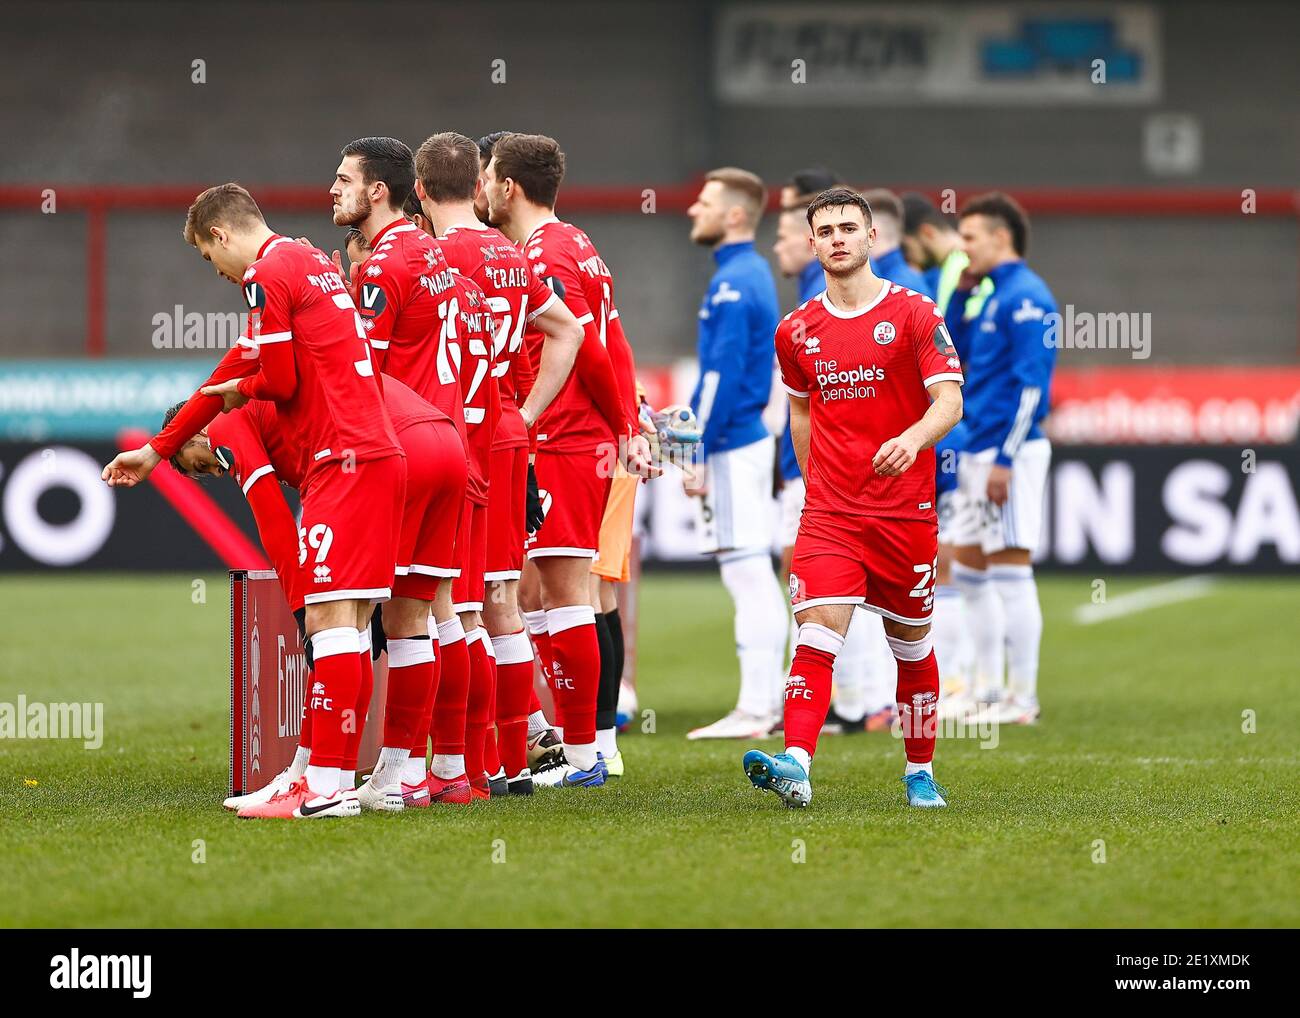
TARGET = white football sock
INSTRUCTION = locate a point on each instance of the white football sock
(391, 761)
(761, 616)
(445, 766)
(950, 640)
(805, 760)
(852, 669)
(347, 780)
(413, 771)
(299, 766)
(323, 780)
(985, 619)
(537, 723)
(1018, 592)
(914, 768)
(582, 757)
(607, 742)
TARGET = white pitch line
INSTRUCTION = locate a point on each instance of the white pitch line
(1187, 589)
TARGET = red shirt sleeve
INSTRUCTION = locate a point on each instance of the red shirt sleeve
(624, 364)
(792, 374)
(199, 411)
(592, 366)
(936, 357)
(270, 317)
(279, 533)
(378, 299)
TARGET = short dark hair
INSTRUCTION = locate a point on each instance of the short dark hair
(354, 235)
(412, 207)
(487, 143)
(175, 460)
(223, 205)
(814, 180)
(448, 166)
(1002, 207)
(534, 162)
(838, 197)
(387, 160)
(918, 210)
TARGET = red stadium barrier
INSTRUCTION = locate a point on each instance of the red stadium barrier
(98, 201)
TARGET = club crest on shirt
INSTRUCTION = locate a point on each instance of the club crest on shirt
(884, 333)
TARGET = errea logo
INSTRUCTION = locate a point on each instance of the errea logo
(812, 345)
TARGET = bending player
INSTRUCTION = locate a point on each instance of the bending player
(314, 363)
(250, 446)
(871, 372)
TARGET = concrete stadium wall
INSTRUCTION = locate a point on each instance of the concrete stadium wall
(101, 93)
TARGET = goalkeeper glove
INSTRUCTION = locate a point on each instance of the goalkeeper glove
(534, 514)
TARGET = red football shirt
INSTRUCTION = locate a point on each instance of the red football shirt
(260, 445)
(865, 374)
(469, 344)
(588, 411)
(405, 294)
(314, 361)
(515, 297)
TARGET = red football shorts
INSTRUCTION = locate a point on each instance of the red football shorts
(435, 491)
(351, 521)
(885, 565)
(471, 553)
(506, 527)
(574, 487)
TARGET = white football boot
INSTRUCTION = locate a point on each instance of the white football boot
(737, 725)
(279, 783)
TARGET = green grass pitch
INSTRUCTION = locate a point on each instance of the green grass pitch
(1141, 754)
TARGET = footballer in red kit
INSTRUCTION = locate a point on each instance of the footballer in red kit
(448, 182)
(874, 382)
(314, 363)
(580, 438)
(249, 445)
(407, 297)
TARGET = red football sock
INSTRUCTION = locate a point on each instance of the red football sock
(514, 690)
(491, 760)
(917, 696)
(534, 704)
(364, 693)
(420, 741)
(448, 723)
(477, 712)
(575, 676)
(304, 736)
(334, 685)
(808, 689)
(410, 678)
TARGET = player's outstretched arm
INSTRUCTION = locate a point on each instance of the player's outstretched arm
(130, 468)
(279, 534)
(898, 454)
(562, 336)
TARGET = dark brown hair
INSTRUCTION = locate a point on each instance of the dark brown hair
(534, 162)
(448, 167)
(224, 205)
(838, 197)
(1006, 211)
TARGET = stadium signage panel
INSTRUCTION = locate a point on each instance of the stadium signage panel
(1117, 509)
(268, 672)
(1216, 406)
(991, 54)
(46, 400)
(56, 513)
